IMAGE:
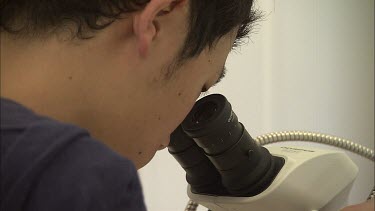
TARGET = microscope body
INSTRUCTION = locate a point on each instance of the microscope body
(227, 170)
(311, 179)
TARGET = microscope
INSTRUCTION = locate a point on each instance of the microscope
(228, 170)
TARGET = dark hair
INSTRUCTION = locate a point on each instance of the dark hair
(209, 19)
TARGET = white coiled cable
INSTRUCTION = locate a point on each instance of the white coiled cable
(316, 138)
(309, 137)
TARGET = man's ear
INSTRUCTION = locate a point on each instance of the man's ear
(144, 24)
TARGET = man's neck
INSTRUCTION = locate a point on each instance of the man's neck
(33, 76)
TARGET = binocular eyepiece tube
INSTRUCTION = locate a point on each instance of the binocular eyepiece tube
(218, 154)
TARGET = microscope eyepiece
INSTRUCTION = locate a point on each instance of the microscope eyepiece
(245, 168)
(212, 124)
(201, 174)
(204, 113)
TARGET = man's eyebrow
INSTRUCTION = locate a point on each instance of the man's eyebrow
(222, 75)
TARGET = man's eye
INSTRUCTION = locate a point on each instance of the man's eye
(204, 92)
(205, 88)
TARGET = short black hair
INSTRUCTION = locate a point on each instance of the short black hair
(212, 19)
(209, 19)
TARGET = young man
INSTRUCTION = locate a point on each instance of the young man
(90, 90)
(125, 71)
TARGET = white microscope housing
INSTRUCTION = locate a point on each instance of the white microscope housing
(311, 179)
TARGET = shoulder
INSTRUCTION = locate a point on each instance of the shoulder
(49, 165)
(88, 176)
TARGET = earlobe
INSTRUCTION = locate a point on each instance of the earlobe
(144, 26)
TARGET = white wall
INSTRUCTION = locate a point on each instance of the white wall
(310, 66)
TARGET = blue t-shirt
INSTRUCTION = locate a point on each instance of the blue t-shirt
(47, 165)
